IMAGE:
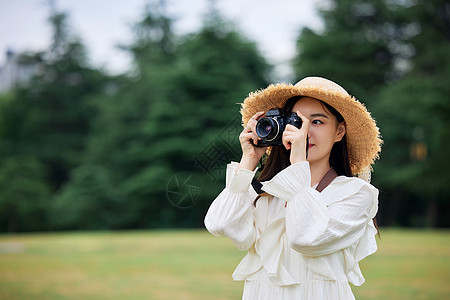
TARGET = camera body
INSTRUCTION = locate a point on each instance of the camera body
(271, 127)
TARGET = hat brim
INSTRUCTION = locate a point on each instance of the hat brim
(363, 136)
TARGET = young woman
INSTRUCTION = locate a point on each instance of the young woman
(307, 230)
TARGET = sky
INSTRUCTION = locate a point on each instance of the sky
(103, 24)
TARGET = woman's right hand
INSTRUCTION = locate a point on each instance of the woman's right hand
(248, 139)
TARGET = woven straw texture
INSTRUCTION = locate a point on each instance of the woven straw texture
(363, 136)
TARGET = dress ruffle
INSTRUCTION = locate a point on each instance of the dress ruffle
(323, 266)
(313, 289)
(272, 242)
(269, 248)
(366, 246)
(273, 264)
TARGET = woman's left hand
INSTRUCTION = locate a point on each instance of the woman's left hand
(296, 139)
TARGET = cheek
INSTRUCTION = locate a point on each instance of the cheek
(312, 132)
(324, 135)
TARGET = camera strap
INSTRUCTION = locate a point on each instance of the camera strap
(326, 180)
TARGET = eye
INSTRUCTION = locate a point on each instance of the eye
(316, 122)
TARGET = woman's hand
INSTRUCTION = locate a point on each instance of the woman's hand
(296, 139)
(248, 139)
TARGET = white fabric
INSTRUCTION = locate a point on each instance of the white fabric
(310, 247)
(313, 289)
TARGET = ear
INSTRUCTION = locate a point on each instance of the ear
(340, 131)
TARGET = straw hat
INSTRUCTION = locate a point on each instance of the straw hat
(363, 137)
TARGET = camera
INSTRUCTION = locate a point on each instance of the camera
(271, 127)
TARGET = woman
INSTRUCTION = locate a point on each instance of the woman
(307, 229)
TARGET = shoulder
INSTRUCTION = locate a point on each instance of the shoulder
(350, 187)
(351, 183)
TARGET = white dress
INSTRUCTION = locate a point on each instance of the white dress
(307, 249)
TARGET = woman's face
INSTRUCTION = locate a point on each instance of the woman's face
(324, 130)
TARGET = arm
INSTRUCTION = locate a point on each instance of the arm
(230, 214)
(322, 223)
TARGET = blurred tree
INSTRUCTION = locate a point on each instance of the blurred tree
(351, 50)
(220, 68)
(118, 163)
(47, 122)
(393, 55)
(182, 94)
(24, 194)
(413, 113)
(57, 108)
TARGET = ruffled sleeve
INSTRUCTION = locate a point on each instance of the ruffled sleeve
(353, 255)
(323, 223)
(230, 214)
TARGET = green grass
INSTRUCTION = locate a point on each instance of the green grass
(195, 265)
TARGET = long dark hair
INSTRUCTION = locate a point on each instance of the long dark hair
(279, 157)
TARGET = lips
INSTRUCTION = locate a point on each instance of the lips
(310, 146)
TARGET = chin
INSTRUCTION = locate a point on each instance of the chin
(313, 158)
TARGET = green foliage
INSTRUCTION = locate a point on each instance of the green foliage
(43, 130)
(93, 203)
(24, 194)
(393, 55)
(413, 111)
(183, 94)
(82, 150)
(352, 50)
(413, 114)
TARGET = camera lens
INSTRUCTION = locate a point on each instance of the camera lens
(267, 128)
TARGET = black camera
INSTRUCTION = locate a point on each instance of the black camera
(271, 127)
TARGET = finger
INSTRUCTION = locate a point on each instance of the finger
(286, 140)
(251, 124)
(287, 136)
(305, 123)
(253, 121)
(305, 120)
(256, 116)
(252, 129)
(250, 121)
(250, 137)
(247, 135)
(291, 128)
(292, 137)
(255, 139)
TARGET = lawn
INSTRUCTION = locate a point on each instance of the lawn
(195, 265)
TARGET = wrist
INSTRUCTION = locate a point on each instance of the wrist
(295, 160)
(297, 157)
(248, 162)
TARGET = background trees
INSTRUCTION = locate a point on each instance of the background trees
(352, 49)
(84, 150)
(391, 55)
(43, 130)
(144, 129)
(414, 111)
